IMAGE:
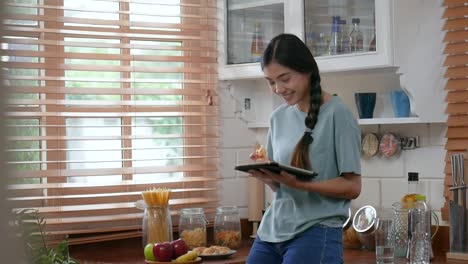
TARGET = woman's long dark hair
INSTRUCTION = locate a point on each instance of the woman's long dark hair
(289, 51)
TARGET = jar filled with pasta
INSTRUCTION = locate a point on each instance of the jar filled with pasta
(157, 223)
(192, 227)
(227, 228)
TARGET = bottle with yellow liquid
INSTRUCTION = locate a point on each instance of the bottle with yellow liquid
(414, 190)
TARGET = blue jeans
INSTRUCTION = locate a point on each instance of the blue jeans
(317, 245)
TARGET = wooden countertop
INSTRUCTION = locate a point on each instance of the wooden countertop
(130, 251)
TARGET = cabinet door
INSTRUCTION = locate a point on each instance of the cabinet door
(347, 35)
(248, 26)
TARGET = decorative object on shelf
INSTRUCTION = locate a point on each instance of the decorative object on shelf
(400, 103)
(365, 103)
(409, 142)
(389, 144)
(370, 144)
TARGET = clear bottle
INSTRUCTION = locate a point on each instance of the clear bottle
(257, 45)
(227, 229)
(192, 227)
(322, 45)
(345, 39)
(420, 230)
(356, 36)
(335, 36)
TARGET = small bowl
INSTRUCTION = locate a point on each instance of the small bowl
(196, 261)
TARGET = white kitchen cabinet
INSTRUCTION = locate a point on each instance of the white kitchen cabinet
(402, 43)
(239, 17)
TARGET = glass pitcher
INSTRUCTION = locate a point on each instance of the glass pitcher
(401, 227)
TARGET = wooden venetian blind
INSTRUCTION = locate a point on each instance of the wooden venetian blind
(107, 98)
(456, 51)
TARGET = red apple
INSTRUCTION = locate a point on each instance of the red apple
(179, 248)
(163, 252)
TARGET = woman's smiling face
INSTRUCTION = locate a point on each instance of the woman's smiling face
(291, 85)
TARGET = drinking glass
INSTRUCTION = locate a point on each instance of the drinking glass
(385, 238)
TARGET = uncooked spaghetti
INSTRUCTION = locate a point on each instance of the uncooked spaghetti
(159, 224)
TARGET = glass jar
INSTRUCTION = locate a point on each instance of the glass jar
(227, 228)
(192, 227)
(350, 237)
(364, 223)
(157, 224)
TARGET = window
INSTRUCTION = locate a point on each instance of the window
(108, 98)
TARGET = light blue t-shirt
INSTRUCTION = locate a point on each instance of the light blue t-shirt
(335, 150)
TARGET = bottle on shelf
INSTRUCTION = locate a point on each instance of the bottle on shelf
(372, 45)
(335, 36)
(310, 37)
(356, 36)
(345, 39)
(321, 47)
(257, 45)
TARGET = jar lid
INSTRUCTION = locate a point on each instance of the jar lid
(348, 222)
(364, 219)
(192, 211)
(227, 210)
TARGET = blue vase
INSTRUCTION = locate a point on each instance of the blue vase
(400, 103)
(365, 103)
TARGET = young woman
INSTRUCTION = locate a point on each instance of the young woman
(304, 222)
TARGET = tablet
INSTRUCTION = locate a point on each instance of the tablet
(301, 174)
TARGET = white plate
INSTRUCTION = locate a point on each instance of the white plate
(219, 256)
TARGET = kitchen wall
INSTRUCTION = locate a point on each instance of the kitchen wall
(384, 179)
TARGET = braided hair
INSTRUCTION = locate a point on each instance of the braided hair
(289, 51)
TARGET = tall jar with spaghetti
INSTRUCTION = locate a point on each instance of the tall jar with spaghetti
(157, 223)
(192, 227)
(227, 229)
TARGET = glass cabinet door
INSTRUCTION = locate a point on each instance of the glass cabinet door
(338, 27)
(251, 24)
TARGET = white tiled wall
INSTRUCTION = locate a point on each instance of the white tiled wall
(384, 179)
(236, 143)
